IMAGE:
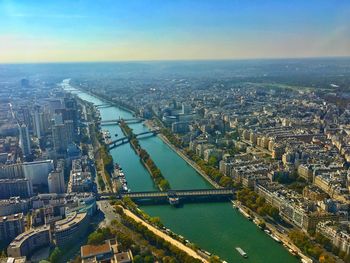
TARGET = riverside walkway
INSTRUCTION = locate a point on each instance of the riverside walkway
(166, 237)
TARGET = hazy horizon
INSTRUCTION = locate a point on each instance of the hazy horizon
(262, 59)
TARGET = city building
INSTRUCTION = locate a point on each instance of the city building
(11, 226)
(38, 122)
(107, 252)
(340, 238)
(24, 140)
(70, 229)
(11, 171)
(56, 179)
(13, 205)
(38, 171)
(15, 187)
(28, 242)
(62, 135)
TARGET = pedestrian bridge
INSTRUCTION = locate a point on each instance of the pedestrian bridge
(176, 196)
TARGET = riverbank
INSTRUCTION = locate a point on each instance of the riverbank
(108, 100)
(164, 236)
(287, 243)
(184, 157)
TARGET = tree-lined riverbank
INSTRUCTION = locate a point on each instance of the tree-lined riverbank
(145, 158)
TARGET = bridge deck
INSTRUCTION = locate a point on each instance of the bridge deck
(178, 193)
(119, 120)
(137, 135)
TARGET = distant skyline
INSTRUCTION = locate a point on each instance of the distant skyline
(114, 30)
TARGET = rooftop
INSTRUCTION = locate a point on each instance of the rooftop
(17, 242)
(91, 250)
(69, 221)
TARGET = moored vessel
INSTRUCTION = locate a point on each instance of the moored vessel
(242, 252)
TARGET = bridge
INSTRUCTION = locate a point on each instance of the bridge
(121, 141)
(104, 105)
(175, 197)
(117, 122)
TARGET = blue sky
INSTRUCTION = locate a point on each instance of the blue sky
(68, 30)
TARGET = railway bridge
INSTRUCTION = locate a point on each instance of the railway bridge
(176, 197)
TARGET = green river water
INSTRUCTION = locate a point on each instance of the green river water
(215, 227)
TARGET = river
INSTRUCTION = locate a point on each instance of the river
(215, 227)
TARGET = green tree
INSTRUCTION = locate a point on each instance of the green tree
(164, 184)
(138, 259)
(148, 259)
(225, 181)
(213, 161)
(55, 255)
(99, 236)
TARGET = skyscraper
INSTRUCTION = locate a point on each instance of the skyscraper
(24, 140)
(62, 135)
(38, 123)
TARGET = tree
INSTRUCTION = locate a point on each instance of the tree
(3, 254)
(274, 213)
(225, 181)
(99, 236)
(138, 259)
(213, 161)
(55, 255)
(156, 221)
(164, 184)
(148, 259)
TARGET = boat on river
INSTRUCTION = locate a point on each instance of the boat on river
(119, 180)
(244, 213)
(267, 231)
(275, 238)
(241, 252)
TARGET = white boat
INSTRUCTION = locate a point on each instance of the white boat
(294, 253)
(267, 231)
(276, 239)
(245, 213)
(241, 252)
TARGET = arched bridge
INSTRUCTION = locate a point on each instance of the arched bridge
(121, 141)
(177, 196)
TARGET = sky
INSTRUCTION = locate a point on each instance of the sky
(115, 30)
